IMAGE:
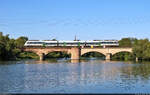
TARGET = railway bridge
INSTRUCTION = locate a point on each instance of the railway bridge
(76, 52)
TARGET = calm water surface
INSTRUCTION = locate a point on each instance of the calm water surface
(91, 76)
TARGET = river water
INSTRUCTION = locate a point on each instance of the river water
(61, 76)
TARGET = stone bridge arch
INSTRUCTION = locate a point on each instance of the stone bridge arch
(41, 51)
(59, 54)
(115, 51)
(56, 50)
(32, 50)
(84, 52)
(106, 51)
(103, 51)
(100, 54)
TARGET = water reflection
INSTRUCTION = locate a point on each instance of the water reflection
(75, 61)
(86, 76)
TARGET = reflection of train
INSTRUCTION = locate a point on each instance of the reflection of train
(72, 43)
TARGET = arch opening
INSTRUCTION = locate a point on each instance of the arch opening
(57, 55)
(123, 55)
(28, 55)
(93, 55)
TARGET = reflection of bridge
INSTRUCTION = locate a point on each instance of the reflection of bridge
(76, 52)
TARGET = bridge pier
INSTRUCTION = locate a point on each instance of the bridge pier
(107, 56)
(75, 53)
(41, 55)
(136, 59)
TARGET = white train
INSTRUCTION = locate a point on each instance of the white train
(71, 43)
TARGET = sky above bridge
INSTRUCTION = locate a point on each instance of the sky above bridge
(87, 19)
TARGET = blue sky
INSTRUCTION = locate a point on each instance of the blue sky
(87, 19)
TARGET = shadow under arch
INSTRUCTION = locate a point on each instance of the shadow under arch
(122, 55)
(93, 54)
(57, 54)
(28, 55)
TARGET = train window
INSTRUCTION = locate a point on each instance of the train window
(106, 42)
(34, 42)
(103, 42)
(50, 43)
(28, 42)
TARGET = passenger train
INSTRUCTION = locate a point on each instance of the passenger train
(71, 43)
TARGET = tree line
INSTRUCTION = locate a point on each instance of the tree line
(140, 49)
(12, 49)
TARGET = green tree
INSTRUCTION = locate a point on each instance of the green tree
(20, 42)
(127, 42)
(10, 48)
(123, 56)
(3, 43)
(141, 49)
(147, 51)
(2, 50)
(54, 39)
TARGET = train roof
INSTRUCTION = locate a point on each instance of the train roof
(73, 41)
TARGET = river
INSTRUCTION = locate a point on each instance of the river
(63, 76)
